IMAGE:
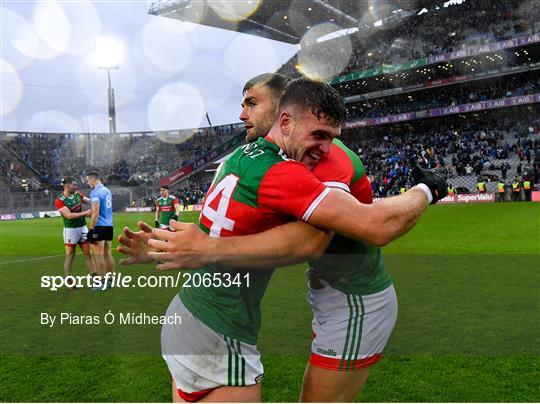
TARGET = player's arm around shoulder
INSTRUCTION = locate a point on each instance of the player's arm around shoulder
(376, 224)
(66, 213)
(281, 191)
(188, 247)
(380, 223)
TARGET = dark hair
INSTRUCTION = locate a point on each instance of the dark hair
(93, 174)
(164, 187)
(321, 99)
(274, 81)
(67, 180)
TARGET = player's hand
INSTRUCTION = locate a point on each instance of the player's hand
(434, 179)
(88, 213)
(90, 236)
(183, 248)
(135, 245)
(156, 223)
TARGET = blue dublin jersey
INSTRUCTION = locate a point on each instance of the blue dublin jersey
(103, 196)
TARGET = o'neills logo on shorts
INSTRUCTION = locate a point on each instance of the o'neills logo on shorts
(327, 352)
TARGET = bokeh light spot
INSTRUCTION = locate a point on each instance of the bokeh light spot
(321, 59)
(176, 106)
(52, 25)
(12, 88)
(234, 10)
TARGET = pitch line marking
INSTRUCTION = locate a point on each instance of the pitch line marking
(32, 259)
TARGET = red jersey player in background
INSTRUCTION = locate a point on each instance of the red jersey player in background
(167, 208)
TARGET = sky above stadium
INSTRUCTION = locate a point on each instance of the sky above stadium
(171, 73)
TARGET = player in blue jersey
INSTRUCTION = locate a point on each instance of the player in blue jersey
(100, 233)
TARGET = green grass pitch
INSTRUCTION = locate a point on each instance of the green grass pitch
(467, 279)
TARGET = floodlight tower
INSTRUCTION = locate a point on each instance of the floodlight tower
(109, 52)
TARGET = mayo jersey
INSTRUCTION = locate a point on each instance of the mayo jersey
(348, 265)
(74, 204)
(166, 207)
(256, 189)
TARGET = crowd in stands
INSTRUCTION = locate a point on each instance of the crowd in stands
(10, 172)
(462, 148)
(439, 30)
(504, 60)
(40, 153)
(445, 30)
(148, 158)
(465, 148)
(458, 94)
(195, 189)
(130, 159)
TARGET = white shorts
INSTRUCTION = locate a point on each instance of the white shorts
(75, 235)
(199, 358)
(350, 331)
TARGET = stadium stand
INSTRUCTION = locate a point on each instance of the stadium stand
(460, 93)
(432, 63)
(33, 164)
(484, 65)
(402, 76)
(125, 158)
(434, 30)
(491, 145)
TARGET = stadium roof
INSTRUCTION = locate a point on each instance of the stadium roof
(283, 20)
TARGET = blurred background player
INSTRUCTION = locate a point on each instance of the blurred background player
(101, 225)
(69, 204)
(167, 208)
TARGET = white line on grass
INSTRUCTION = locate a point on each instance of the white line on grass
(32, 259)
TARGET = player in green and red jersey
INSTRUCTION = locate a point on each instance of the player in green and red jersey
(250, 194)
(167, 208)
(69, 204)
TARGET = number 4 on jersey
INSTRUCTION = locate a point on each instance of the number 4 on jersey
(225, 188)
